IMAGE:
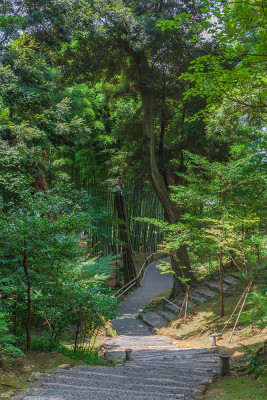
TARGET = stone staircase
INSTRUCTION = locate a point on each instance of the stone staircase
(201, 292)
(160, 371)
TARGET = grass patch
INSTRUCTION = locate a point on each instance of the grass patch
(237, 388)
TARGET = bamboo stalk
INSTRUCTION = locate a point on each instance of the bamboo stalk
(236, 307)
(184, 300)
(240, 312)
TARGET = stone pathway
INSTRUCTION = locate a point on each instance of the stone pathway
(201, 292)
(152, 284)
(160, 370)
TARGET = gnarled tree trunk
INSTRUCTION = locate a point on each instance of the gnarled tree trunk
(180, 260)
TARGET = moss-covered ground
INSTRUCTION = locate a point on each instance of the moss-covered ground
(16, 374)
(19, 371)
(237, 388)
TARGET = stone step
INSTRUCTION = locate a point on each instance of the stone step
(153, 319)
(138, 382)
(174, 310)
(138, 390)
(180, 368)
(175, 359)
(205, 291)
(200, 364)
(215, 285)
(175, 352)
(197, 298)
(231, 279)
(180, 303)
(150, 339)
(167, 315)
(125, 373)
(50, 394)
(152, 379)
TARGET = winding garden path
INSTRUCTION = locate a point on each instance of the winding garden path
(160, 369)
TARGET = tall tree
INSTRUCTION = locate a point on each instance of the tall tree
(136, 46)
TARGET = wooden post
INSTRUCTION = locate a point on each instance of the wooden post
(107, 330)
(221, 284)
(225, 364)
(212, 340)
(128, 353)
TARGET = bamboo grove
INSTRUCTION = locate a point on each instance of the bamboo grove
(125, 127)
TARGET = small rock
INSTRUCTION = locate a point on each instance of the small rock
(7, 395)
(65, 366)
(34, 376)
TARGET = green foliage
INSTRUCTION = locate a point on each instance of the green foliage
(74, 80)
(41, 249)
(8, 348)
(256, 313)
(233, 76)
(255, 366)
(88, 358)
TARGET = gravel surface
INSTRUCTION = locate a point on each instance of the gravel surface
(152, 284)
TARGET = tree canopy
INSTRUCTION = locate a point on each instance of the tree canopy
(124, 126)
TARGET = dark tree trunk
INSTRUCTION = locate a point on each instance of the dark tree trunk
(180, 260)
(40, 184)
(77, 332)
(28, 319)
(162, 130)
(129, 271)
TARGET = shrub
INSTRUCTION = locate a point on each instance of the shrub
(8, 348)
(256, 313)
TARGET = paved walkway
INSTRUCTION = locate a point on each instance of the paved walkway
(160, 370)
(152, 284)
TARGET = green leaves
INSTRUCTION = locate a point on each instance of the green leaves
(8, 348)
(238, 68)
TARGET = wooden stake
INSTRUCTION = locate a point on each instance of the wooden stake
(184, 300)
(186, 307)
(221, 283)
(240, 312)
(191, 298)
(225, 326)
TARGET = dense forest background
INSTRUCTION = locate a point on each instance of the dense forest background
(124, 125)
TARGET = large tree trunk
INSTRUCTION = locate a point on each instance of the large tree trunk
(180, 260)
(129, 271)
